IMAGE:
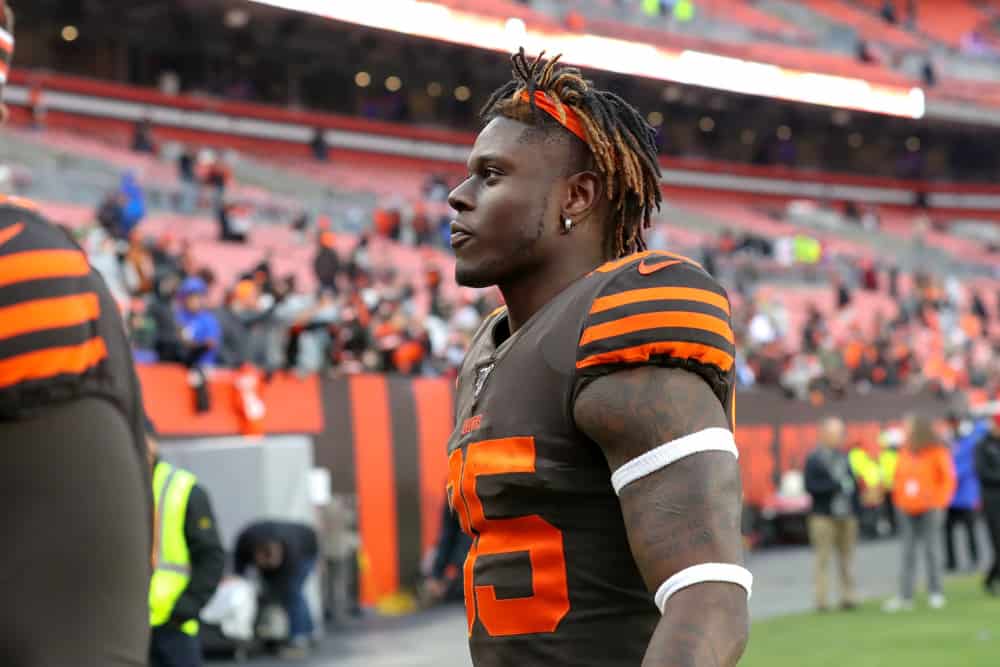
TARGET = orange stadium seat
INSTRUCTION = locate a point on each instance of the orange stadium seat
(948, 22)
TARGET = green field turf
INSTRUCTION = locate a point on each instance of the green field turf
(966, 633)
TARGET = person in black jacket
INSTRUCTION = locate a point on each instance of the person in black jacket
(988, 470)
(452, 548)
(833, 523)
(170, 646)
(284, 554)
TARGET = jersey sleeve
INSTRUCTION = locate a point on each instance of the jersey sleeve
(662, 313)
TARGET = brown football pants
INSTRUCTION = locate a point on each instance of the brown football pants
(74, 540)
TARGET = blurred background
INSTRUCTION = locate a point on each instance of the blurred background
(263, 186)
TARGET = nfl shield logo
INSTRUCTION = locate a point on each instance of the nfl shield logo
(481, 377)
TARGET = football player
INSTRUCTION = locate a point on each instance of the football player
(76, 524)
(593, 461)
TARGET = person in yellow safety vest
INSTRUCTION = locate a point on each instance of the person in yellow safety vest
(189, 560)
(889, 441)
(866, 469)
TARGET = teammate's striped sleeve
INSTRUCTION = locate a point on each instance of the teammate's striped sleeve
(664, 311)
(48, 306)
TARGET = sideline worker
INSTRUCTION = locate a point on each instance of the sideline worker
(833, 523)
(189, 562)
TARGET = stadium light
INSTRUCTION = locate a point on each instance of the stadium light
(70, 33)
(433, 21)
(362, 79)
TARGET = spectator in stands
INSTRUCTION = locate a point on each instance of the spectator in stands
(327, 261)
(234, 338)
(833, 523)
(284, 555)
(161, 312)
(103, 256)
(142, 137)
(309, 336)
(924, 485)
(188, 181)
(889, 12)
(139, 266)
(320, 150)
(110, 213)
(988, 471)
(965, 502)
(200, 331)
(134, 206)
(233, 226)
(254, 309)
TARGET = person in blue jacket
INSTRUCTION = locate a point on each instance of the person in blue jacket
(965, 504)
(200, 328)
(134, 208)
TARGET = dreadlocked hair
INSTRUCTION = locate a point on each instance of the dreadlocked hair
(620, 140)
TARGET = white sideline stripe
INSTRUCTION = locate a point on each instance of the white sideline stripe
(705, 572)
(708, 440)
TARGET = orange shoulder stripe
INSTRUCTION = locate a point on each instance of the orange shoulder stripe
(706, 354)
(658, 320)
(54, 313)
(72, 359)
(614, 264)
(660, 294)
(39, 264)
(10, 232)
(20, 202)
(608, 267)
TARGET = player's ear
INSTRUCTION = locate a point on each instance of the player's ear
(583, 193)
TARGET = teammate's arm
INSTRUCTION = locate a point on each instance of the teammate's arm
(681, 515)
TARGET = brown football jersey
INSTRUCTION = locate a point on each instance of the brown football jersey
(550, 578)
(61, 335)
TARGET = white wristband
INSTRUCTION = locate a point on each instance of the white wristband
(707, 440)
(705, 572)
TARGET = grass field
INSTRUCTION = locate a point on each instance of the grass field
(966, 633)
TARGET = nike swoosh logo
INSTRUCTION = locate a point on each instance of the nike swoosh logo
(646, 269)
(11, 232)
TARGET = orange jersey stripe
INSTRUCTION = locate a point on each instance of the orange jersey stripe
(659, 320)
(10, 232)
(20, 202)
(39, 264)
(54, 313)
(608, 267)
(72, 359)
(706, 354)
(660, 294)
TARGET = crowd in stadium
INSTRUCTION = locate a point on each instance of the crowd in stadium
(364, 316)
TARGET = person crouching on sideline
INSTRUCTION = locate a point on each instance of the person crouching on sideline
(924, 485)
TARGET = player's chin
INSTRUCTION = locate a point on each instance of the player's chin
(470, 274)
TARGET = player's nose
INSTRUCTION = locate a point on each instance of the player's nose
(461, 198)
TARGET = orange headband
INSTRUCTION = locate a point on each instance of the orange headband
(571, 121)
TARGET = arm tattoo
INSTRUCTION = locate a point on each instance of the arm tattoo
(685, 514)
